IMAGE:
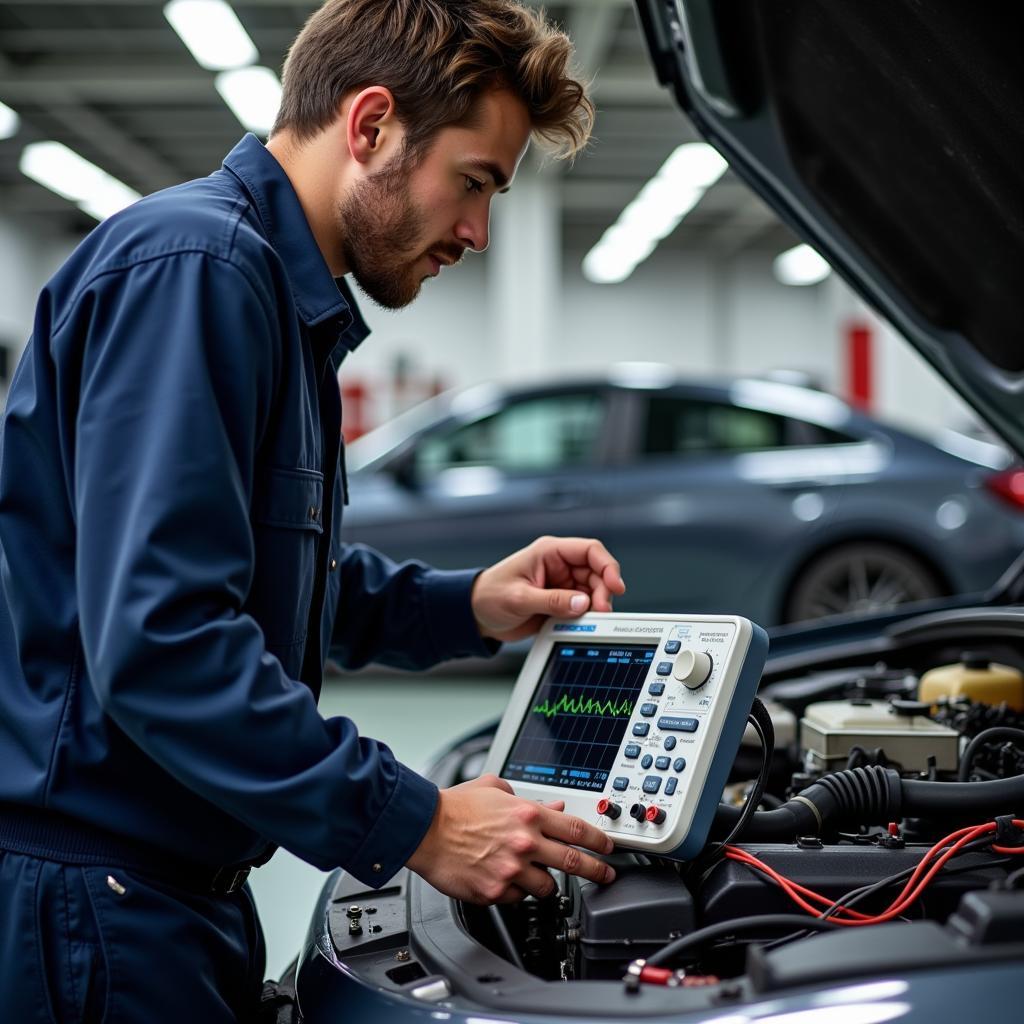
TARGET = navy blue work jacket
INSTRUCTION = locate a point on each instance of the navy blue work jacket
(172, 583)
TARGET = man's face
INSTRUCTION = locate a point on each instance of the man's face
(402, 224)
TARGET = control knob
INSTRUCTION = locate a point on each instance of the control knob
(638, 812)
(693, 669)
(655, 815)
(608, 809)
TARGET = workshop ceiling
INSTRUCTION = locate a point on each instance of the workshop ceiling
(112, 80)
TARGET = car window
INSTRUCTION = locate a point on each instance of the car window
(545, 433)
(679, 425)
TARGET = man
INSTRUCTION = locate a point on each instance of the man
(170, 497)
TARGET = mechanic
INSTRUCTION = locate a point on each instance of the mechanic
(171, 491)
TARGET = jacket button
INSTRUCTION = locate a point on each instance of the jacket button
(334, 564)
(378, 868)
(314, 513)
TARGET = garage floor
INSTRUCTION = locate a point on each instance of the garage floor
(416, 717)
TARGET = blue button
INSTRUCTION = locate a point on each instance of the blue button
(664, 668)
(648, 709)
(662, 763)
(620, 783)
(672, 647)
(632, 750)
(652, 784)
(670, 743)
(670, 786)
(656, 689)
(670, 723)
(641, 728)
(679, 764)
(647, 761)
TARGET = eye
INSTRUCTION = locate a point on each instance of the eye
(472, 185)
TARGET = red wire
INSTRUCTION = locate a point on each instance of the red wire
(921, 878)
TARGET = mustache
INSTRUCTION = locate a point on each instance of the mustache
(452, 253)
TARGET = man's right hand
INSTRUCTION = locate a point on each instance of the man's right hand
(486, 845)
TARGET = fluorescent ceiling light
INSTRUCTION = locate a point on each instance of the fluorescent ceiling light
(655, 212)
(800, 265)
(9, 122)
(63, 171)
(212, 32)
(253, 94)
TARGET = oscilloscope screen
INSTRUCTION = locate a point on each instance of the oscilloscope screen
(575, 721)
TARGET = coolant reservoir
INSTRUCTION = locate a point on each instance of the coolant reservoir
(977, 678)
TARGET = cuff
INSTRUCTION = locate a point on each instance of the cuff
(398, 832)
(449, 614)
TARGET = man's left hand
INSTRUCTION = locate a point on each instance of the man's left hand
(554, 576)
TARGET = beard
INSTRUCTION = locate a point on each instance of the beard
(382, 225)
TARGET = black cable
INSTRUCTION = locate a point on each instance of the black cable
(1014, 877)
(998, 732)
(761, 720)
(717, 931)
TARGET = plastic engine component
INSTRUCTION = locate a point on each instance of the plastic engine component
(975, 677)
(632, 918)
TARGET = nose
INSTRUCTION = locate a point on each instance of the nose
(473, 231)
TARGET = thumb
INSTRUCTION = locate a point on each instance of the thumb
(557, 603)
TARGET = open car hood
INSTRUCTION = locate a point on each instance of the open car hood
(888, 134)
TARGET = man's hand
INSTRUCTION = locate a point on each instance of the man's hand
(560, 576)
(486, 845)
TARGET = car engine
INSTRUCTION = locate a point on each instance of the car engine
(940, 713)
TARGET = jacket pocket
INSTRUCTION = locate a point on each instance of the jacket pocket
(287, 519)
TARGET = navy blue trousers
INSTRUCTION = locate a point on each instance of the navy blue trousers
(104, 945)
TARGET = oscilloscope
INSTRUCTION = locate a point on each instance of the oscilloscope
(634, 721)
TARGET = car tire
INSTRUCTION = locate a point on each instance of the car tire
(859, 579)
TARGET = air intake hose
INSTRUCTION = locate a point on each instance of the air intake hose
(873, 796)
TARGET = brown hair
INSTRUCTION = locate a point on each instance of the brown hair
(438, 57)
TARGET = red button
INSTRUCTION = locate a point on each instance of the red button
(655, 815)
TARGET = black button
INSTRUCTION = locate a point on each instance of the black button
(632, 750)
(647, 710)
(647, 761)
(672, 723)
(641, 728)
(656, 689)
(670, 786)
(662, 763)
(652, 784)
(620, 783)
(679, 764)
(670, 743)
(664, 668)
(672, 647)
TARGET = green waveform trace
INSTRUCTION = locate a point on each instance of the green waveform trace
(566, 705)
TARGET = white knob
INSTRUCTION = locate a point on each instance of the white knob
(692, 669)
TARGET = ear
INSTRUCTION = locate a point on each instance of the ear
(373, 130)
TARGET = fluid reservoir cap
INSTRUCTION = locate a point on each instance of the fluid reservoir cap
(909, 708)
(976, 659)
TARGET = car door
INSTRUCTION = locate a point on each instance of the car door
(716, 501)
(478, 486)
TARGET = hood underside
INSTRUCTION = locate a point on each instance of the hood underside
(890, 134)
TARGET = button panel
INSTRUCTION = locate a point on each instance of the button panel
(678, 694)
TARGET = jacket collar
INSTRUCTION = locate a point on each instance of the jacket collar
(319, 298)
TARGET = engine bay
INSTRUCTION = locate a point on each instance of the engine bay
(887, 837)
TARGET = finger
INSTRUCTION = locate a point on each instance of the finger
(559, 603)
(513, 894)
(555, 805)
(537, 882)
(600, 596)
(573, 861)
(570, 829)
(589, 552)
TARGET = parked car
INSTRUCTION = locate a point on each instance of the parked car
(881, 132)
(760, 498)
